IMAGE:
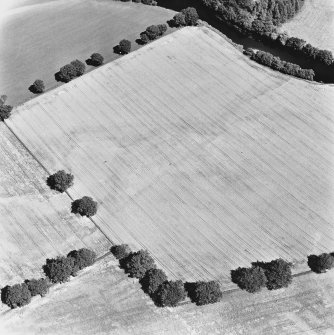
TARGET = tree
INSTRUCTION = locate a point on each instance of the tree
(249, 279)
(17, 295)
(162, 28)
(149, 2)
(324, 56)
(203, 293)
(59, 269)
(321, 263)
(66, 73)
(3, 99)
(37, 86)
(85, 206)
(79, 66)
(152, 32)
(60, 181)
(152, 279)
(179, 20)
(5, 111)
(38, 286)
(123, 48)
(278, 273)
(170, 293)
(120, 251)
(295, 43)
(96, 59)
(144, 38)
(137, 263)
(190, 15)
(82, 257)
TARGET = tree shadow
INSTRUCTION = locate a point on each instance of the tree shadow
(4, 291)
(313, 263)
(117, 49)
(190, 289)
(139, 41)
(90, 62)
(32, 89)
(59, 78)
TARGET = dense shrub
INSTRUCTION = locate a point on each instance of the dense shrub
(170, 293)
(120, 251)
(82, 258)
(95, 59)
(60, 181)
(278, 273)
(249, 279)
(5, 111)
(123, 48)
(320, 263)
(37, 87)
(190, 16)
(137, 263)
(66, 73)
(59, 269)
(17, 295)
(38, 286)
(152, 279)
(203, 293)
(85, 206)
(79, 66)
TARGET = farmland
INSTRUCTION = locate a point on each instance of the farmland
(195, 153)
(314, 23)
(82, 27)
(36, 222)
(104, 301)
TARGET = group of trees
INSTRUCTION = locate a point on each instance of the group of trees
(155, 282)
(61, 181)
(274, 275)
(300, 47)
(321, 263)
(277, 64)
(152, 32)
(70, 71)
(259, 17)
(187, 17)
(5, 110)
(57, 270)
(145, 2)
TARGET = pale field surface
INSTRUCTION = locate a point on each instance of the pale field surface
(314, 24)
(35, 222)
(102, 300)
(206, 159)
(42, 36)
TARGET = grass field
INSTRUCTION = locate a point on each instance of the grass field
(196, 153)
(36, 223)
(37, 39)
(102, 300)
(314, 24)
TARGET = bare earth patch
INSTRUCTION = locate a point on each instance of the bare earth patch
(192, 151)
(314, 24)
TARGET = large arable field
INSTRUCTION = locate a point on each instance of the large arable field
(103, 300)
(35, 222)
(314, 24)
(194, 152)
(40, 37)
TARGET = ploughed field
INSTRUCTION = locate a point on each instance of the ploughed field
(194, 152)
(314, 24)
(103, 300)
(35, 222)
(39, 38)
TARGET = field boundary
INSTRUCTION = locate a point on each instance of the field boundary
(49, 174)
